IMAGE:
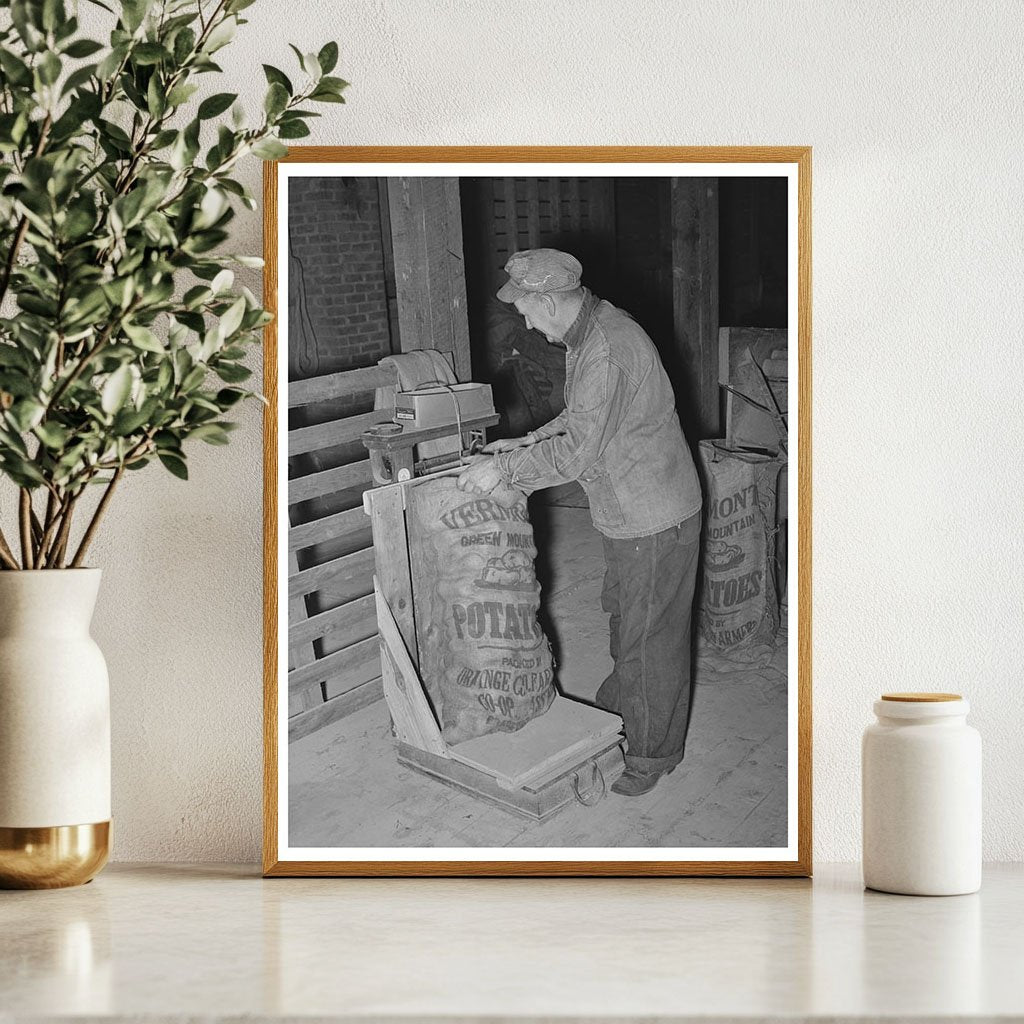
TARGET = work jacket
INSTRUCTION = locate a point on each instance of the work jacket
(619, 434)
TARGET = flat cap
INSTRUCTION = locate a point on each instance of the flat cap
(538, 271)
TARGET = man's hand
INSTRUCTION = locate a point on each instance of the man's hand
(481, 477)
(506, 444)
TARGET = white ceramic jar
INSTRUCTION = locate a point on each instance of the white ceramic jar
(921, 778)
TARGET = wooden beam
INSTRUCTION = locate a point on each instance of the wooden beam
(391, 550)
(430, 279)
(695, 304)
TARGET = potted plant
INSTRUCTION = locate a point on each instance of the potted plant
(122, 340)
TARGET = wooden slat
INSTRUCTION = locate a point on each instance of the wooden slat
(337, 664)
(354, 570)
(339, 385)
(555, 197)
(329, 481)
(511, 215)
(356, 617)
(334, 432)
(341, 524)
(299, 654)
(572, 194)
(353, 678)
(403, 689)
(337, 707)
(532, 213)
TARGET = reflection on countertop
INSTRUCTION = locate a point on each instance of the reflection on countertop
(179, 941)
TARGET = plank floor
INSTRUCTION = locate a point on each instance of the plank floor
(346, 787)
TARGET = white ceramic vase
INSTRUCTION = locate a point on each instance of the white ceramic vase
(54, 731)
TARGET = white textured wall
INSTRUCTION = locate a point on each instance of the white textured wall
(914, 113)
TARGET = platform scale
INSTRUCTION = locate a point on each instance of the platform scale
(568, 755)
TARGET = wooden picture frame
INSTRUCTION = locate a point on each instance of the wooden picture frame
(686, 168)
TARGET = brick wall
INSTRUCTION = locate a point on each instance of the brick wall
(337, 300)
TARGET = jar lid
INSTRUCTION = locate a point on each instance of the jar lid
(921, 705)
(921, 698)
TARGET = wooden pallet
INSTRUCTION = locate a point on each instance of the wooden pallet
(333, 652)
(572, 753)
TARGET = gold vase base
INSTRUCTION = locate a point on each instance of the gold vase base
(53, 857)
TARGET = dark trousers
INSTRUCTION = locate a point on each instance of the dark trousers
(648, 593)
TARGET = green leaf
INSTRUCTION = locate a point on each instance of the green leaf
(232, 373)
(116, 390)
(83, 48)
(129, 421)
(269, 149)
(49, 68)
(274, 76)
(276, 99)
(328, 57)
(334, 84)
(195, 296)
(181, 94)
(222, 282)
(221, 35)
(184, 44)
(26, 413)
(175, 465)
(156, 100)
(163, 139)
(232, 319)
(214, 105)
(21, 471)
(227, 397)
(109, 65)
(193, 379)
(293, 130)
(133, 13)
(53, 435)
(16, 70)
(78, 78)
(211, 433)
(324, 96)
(149, 53)
(144, 338)
(26, 20)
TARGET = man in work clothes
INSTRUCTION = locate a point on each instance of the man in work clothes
(619, 435)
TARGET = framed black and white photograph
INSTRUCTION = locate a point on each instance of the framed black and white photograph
(537, 511)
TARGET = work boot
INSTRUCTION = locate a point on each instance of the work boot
(633, 782)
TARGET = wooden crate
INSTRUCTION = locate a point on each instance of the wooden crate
(571, 753)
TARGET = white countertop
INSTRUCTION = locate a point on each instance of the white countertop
(179, 941)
